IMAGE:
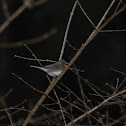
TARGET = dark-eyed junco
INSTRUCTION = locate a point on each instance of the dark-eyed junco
(54, 69)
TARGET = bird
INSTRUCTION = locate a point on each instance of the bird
(54, 69)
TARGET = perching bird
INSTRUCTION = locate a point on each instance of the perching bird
(54, 69)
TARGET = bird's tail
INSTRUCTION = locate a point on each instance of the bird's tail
(41, 68)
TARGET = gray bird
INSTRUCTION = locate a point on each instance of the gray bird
(54, 69)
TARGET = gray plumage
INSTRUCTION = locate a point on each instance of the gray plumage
(53, 69)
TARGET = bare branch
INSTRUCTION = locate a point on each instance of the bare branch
(12, 17)
(123, 30)
(5, 8)
(30, 41)
(96, 107)
(10, 91)
(12, 124)
(15, 15)
(33, 54)
(67, 29)
(86, 14)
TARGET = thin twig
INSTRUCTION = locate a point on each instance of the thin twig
(47, 60)
(71, 46)
(61, 108)
(120, 30)
(96, 107)
(118, 71)
(14, 108)
(13, 17)
(93, 85)
(5, 95)
(82, 94)
(30, 41)
(86, 81)
(33, 54)
(86, 14)
(117, 121)
(11, 108)
(12, 124)
(124, 80)
(33, 88)
(112, 16)
(116, 87)
(5, 8)
(13, 113)
(81, 110)
(118, 6)
(67, 29)
(37, 3)
(75, 96)
(106, 12)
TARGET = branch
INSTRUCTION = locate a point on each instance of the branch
(96, 107)
(28, 42)
(5, 8)
(12, 17)
(67, 29)
(16, 14)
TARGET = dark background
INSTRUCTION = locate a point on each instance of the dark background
(107, 50)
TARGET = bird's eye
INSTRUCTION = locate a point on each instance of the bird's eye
(65, 63)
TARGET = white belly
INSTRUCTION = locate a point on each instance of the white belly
(57, 73)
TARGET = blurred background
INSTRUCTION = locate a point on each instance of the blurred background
(107, 50)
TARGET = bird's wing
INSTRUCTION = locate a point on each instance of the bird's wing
(53, 66)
